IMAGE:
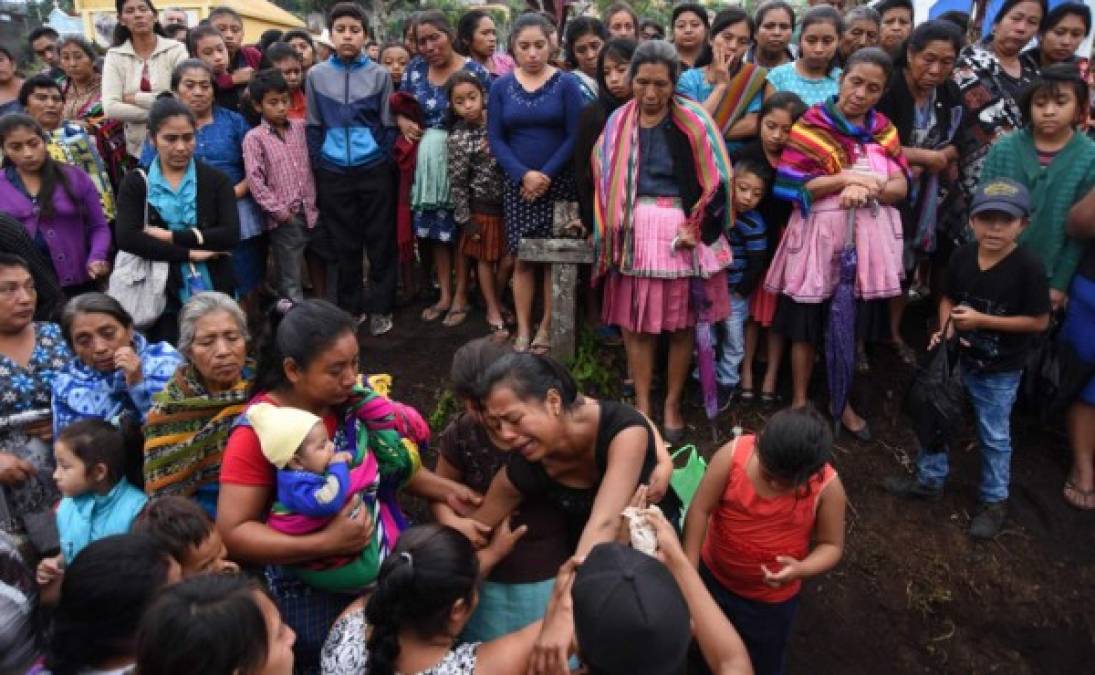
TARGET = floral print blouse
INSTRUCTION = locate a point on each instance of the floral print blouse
(29, 388)
(432, 98)
(475, 178)
(989, 98)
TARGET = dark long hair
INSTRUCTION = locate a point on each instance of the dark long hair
(209, 624)
(52, 172)
(580, 27)
(621, 49)
(531, 377)
(122, 34)
(104, 594)
(465, 30)
(431, 568)
(723, 20)
(795, 444)
(300, 331)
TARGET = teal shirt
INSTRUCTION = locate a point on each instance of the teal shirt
(90, 517)
(1054, 189)
(179, 210)
(812, 92)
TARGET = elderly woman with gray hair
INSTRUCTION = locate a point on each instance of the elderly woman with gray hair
(862, 27)
(661, 177)
(188, 425)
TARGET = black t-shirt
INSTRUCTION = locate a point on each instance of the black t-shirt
(537, 555)
(531, 480)
(1015, 286)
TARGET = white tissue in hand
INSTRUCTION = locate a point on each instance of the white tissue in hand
(643, 537)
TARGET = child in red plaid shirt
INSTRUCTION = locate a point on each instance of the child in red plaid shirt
(275, 154)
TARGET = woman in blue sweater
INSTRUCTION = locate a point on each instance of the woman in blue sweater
(532, 121)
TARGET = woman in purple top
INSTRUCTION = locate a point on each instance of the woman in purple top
(532, 121)
(57, 204)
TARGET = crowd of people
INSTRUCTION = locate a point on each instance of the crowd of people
(196, 477)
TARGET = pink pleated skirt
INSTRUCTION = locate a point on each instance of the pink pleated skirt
(806, 266)
(655, 295)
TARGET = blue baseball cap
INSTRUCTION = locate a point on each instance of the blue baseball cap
(1001, 194)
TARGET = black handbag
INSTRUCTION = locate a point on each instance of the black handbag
(935, 402)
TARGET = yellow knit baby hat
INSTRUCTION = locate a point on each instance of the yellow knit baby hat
(280, 430)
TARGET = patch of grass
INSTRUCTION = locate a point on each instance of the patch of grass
(593, 367)
(447, 407)
(928, 591)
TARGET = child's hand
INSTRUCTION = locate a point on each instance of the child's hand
(670, 551)
(49, 570)
(552, 648)
(967, 318)
(505, 538)
(463, 500)
(341, 457)
(792, 569)
(476, 532)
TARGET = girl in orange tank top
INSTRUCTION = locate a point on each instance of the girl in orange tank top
(750, 523)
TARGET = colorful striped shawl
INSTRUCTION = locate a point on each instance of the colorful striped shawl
(186, 431)
(744, 86)
(823, 143)
(616, 175)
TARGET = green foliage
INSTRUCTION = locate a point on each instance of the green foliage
(448, 406)
(593, 367)
(659, 10)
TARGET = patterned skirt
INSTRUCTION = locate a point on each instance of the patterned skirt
(533, 220)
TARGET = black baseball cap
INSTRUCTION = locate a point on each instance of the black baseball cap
(629, 614)
(1001, 194)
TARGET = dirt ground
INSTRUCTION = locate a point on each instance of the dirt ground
(913, 593)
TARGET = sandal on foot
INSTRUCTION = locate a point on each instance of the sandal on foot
(498, 330)
(770, 398)
(747, 394)
(1084, 500)
(433, 313)
(521, 344)
(455, 317)
(541, 344)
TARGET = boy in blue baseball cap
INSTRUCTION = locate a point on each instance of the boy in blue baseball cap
(996, 299)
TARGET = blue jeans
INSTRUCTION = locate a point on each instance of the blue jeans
(992, 396)
(728, 368)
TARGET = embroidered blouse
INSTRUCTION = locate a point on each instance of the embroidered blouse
(83, 104)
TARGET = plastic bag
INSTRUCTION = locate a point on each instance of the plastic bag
(935, 403)
(686, 480)
(1053, 373)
